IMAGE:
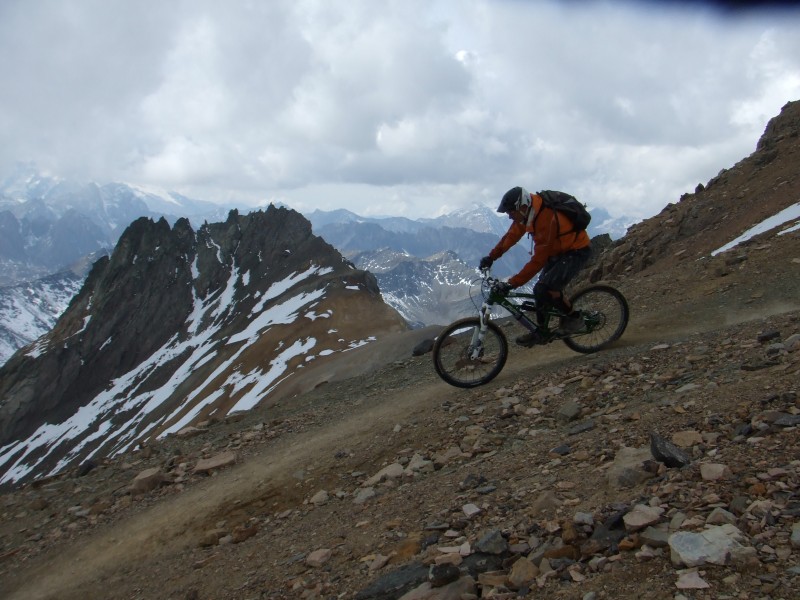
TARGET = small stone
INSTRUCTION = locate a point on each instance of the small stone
(471, 510)
(656, 537)
(786, 420)
(148, 480)
(320, 498)
(241, 534)
(642, 516)
(739, 504)
(561, 450)
(687, 439)
(689, 387)
(38, 504)
(667, 452)
(492, 543)
(492, 578)
(628, 469)
(378, 562)
(190, 432)
(219, 461)
(319, 557)
(569, 411)
(442, 574)
(628, 543)
(212, 537)
(581, 427)
(795, 539)
(714, 471)
(720, 516)
(768, 336)
(392, 471)
(522, 573)
(545, 502)
(363, 495)
(691, 580)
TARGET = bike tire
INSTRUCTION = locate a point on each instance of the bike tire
(451, 354)
(606, 315)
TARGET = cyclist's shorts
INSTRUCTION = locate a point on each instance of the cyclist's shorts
(561, 269)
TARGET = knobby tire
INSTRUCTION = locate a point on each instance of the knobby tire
(608, 313)
(451, 354)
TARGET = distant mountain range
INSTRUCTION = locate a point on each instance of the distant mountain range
(47, 224)
(422, 266)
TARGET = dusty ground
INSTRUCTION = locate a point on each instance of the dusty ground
(249, 530)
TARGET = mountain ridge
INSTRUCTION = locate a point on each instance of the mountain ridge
(236, 303)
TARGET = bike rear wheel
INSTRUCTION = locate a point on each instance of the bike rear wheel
(605, 315)
(453, 351)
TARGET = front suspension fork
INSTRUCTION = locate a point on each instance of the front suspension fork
(478, 334)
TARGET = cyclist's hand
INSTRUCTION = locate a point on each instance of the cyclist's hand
(486, 262)
(502, 288)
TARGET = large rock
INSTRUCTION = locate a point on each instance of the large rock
(148, 480)
(667, 452)
(628, 468)
(219, 461)
(462, 588)
(720, 545)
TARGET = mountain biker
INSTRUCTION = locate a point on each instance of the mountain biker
(559, 252)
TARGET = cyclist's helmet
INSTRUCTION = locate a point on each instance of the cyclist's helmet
(517, 198)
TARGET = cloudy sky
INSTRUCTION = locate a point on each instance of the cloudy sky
(406, 107)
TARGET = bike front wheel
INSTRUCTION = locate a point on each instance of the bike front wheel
(458, 362)
(605, 317)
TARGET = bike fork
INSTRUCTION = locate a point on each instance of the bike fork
(478, 335)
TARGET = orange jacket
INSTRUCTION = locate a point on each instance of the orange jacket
(552, 234)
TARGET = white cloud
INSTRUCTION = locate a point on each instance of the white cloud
(397, 107)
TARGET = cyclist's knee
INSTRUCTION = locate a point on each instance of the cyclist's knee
(548, 296)
(541, 294)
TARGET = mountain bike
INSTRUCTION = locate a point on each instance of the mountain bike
(472, 351)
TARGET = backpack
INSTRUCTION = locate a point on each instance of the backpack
(568, 205)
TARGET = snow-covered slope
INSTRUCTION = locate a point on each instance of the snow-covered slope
(179, 326)
(29, 310)
(433, 290)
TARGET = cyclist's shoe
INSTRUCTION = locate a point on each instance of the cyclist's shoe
(534, 338)
(572, 323)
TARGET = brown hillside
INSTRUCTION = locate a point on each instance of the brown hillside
(359, 487)
(755, 188)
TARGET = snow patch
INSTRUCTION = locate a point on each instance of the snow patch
(788, 214)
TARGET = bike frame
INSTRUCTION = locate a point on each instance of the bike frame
(516, 311)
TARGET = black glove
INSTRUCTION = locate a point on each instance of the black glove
(502, 288)
(486, 262)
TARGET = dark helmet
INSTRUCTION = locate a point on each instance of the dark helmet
(516, 198)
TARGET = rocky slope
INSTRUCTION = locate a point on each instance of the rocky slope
(754, 189)
(543, 483)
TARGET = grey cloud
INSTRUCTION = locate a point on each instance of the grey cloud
(441, 102)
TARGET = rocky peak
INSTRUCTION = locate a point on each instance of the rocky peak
(785, 125)
(176, 326)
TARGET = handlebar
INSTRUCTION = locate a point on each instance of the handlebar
(488, 280)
